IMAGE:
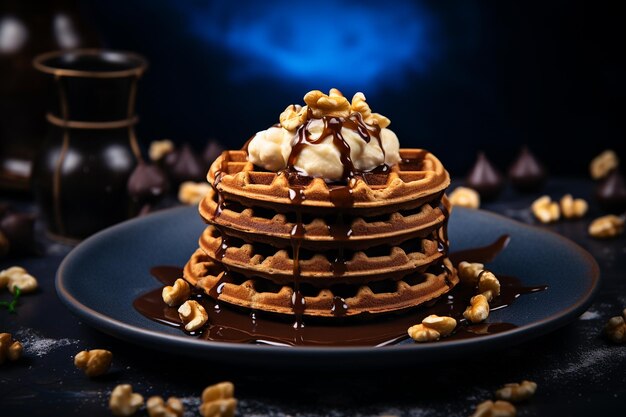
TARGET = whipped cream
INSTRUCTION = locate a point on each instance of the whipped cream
(315, 139)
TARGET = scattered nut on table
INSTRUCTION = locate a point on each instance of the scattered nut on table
(18, 277)
(465, 197)
(488, 285)
(193, 315)
(545, 210)
(602, 164)
(218, 400)
(517, 392)
(573, 208)
(469, 272)
(158, 408)
(124, 402)
(606, 227)
(432, 328)
(495, 409)
(615, 329)
(478, 310)
(177, 294)
(159, 148)
(94, 362)
(10, 348)
(191, 192)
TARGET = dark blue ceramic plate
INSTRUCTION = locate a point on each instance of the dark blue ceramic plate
(99, 280)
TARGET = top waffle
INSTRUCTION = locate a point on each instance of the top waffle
(403, 186)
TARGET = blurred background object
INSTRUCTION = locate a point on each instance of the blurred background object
(454, 77)
(28, 28)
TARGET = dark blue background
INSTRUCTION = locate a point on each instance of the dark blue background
(453, 77)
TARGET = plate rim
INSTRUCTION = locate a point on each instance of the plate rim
(200, 348)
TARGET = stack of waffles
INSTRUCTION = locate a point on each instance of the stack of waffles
(294, 245)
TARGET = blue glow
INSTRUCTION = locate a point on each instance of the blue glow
(322, 43)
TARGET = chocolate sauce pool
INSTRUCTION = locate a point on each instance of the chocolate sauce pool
(227, 324)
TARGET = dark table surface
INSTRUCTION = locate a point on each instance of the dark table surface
(579, 373)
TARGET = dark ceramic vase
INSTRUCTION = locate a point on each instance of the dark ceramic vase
(82, 170)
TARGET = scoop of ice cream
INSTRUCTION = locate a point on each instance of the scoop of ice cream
(315, 152)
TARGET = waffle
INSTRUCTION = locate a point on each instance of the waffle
(257, 294)
(375, 245)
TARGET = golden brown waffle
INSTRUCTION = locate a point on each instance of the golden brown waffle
(406, 185)
(258, 294)
(268, 226)
(316, 268)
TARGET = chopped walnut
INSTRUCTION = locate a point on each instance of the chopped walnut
(545, 210)
(293, 116)
(160, 148)
(177, 294)
(602, 164)
(422, 333)
(465, 197)
(517, 392)
(495, 409)
(478, 310)
(191, 192)
(18, 277)
(432, 328)
(606, 227)
(158, 408)
(193, 315)
(334, 104)
(218, 400)
(470, 272)
(488, 285)
(94, 362)
(10, 348)
(124, 402)
(615, 329)
(573, 208)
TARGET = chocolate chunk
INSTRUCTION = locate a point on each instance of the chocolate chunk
(19, 230)
(147, 183)
(526, 173)
(212, 150)
(187, 166)
(611, 193)
(485, 178)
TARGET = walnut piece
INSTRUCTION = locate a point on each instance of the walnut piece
(615, 329)
(517, 392)
(602, 164)
(545, 210)
(193, 315)
(488, 285)
(432, 328)
(124, 402)
(10, 348)
(606, 227)
(478, 310)
(18, 277)
(158, 408)
(495, 409)
(177, 294)
(333, 104)
(94, 362)
(573, 208)
(469, 272)
(218, 400)
(160, 148)
(465, 197)
(293, 116)
(191, 192)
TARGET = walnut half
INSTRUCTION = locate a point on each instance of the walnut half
(94, 362)
(10, 348)
(432, 328)
(478, 310)
(495, 409)
(218, 400)
(517, 392)
(123, 401)
(158, 408)
(615, 329)
(193, 315)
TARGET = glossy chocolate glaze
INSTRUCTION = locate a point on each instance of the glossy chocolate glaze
(228, 324)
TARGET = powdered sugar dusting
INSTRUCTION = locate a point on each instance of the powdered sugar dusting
(590, 315)
(35, 344)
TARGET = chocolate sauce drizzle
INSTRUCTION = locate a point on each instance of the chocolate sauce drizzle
(229, 324)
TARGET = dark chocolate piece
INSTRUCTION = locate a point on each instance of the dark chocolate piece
(19, 229)
(526, 173)
(485, 178)
(611, 193)
(147, 183)
(187, 167)
(212, 150)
